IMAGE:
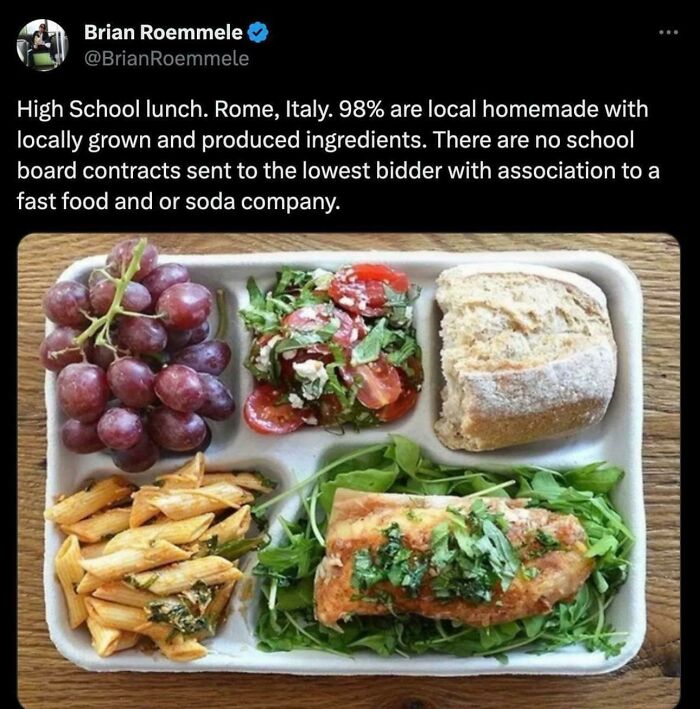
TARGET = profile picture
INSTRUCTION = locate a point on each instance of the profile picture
(42, 45)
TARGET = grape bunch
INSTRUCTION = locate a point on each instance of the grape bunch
(136, 372)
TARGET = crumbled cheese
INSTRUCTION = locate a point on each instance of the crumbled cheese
(289, 354)
(310, 420)
(262, 361)
(310, 369)
(321, 278)
(313, 374)
(307, 312)
(296, 401)
(347, 302)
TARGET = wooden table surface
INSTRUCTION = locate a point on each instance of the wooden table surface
(652, 679)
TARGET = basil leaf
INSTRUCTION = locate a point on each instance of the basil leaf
(369, 349)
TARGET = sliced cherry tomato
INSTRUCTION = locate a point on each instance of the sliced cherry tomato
(307, 318)
(405, 402)
(360, 288)
(380, 383)
(313, 317)
(264, 415)
(396, 280)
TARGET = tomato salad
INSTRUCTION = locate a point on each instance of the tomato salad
(332, 349)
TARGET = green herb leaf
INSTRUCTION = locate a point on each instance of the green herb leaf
(596, 477)
(406, 453)
(369, 349)
(369, 480)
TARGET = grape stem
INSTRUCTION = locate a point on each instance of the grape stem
(100, 326)
(222, 326)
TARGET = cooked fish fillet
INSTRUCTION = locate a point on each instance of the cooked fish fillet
(357, 522)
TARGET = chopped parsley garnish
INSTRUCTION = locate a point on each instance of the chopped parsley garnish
(472, 555)
(393, 562)
(544, 543)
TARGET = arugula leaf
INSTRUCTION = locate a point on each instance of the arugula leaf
(406, 453)
(596, 477)
(296, 596)
(368, 480)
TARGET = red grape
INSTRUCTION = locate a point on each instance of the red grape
(131, 381)
(218, 404)
(210, 357)
(102, 356)
(120, 256)
(206, 441)
(81, 437)
(141, 335)
(177, 339)
(83, 391)
(136, 298)
(199, 334)
(185, 305)
(137, 458)
(66, 303)
(176, 431)
(120, 428)
(62, 338)
(180, 388)
(161, 278)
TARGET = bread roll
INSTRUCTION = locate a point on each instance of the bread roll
(527, 354)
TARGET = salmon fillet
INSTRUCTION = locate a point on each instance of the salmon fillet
(359, 521)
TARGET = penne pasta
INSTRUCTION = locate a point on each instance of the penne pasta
(176, 532)
(235, 526)
(90, 551)
(180, 649)
(100, 526)
(188, 476)
(122, 592)
(70, 572)
(134, 559)
(86, 502)
(181, 504)
(141, 509)
(180, 577)
(250, 481)
(107, 641)
(149, 569)
(219, 603)
(135, 620)
(116, 615)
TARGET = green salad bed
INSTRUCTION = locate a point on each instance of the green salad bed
(286, 569)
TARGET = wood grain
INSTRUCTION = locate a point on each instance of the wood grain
(650, 680)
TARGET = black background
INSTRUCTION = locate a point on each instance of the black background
(405, 55)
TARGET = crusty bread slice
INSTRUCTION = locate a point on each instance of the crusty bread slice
(528, 354)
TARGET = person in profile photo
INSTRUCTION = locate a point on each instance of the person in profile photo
(41, 42)
(42, 45)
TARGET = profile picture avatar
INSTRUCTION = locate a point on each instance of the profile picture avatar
(42, 45)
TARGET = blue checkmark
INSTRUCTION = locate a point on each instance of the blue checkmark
(257, 32)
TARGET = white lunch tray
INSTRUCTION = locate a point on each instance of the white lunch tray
(287, 459)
